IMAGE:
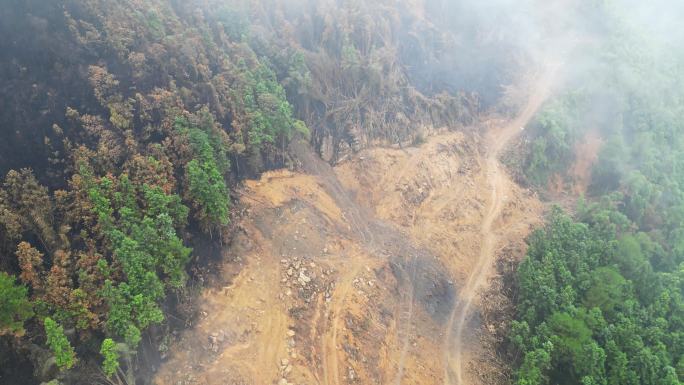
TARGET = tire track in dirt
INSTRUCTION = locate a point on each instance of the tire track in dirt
(408, 315)
(329, 340)
(377, 237)
(500, 184)
(313, 165)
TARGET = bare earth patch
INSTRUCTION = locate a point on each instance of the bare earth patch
(368, 273)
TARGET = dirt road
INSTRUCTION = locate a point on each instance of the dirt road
(500, 189)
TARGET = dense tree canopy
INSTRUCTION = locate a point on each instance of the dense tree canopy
(601, 296)
(586, 315)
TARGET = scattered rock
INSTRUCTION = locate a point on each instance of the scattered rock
(303, 278)
(351, 373)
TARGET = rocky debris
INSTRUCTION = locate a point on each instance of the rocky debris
(365, 283)
(285, 370)
(351, 374)
(304, 277)
(216, 339)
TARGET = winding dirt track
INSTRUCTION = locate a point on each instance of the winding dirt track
(500, 184)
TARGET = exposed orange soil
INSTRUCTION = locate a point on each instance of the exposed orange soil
(369, 273)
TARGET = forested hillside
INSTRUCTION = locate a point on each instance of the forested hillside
(128, 129)
(126, 126)
(600, 297)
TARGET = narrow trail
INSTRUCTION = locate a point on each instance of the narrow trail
(500, 184)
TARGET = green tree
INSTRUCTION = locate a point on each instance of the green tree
(535, 366)
(59, 344)
(608, 291)
(111, 357)
(576, 349)
(15, 307)
(139, 223)
(206, 186)
(618, 370)
(634, 265)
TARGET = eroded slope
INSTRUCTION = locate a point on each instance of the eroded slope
(369, 273)
(315, 302)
